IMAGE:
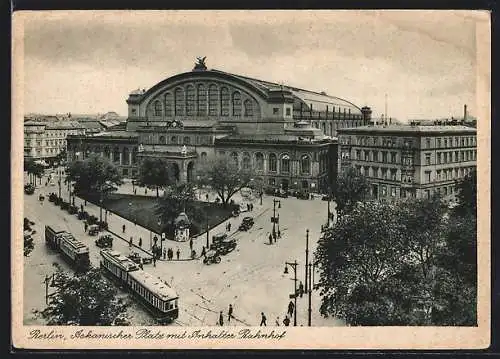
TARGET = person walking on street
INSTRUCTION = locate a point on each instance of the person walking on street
(301, 289)
(279, 233)
(203, 251)
(274, 237)
(140, 242)
(291, 307)
(85, 225)
(286, 321)
(230, 313)
(123, 229)
(191, 244)
(221, 319)
(164, 253)
(229, 227)
(130, 242)
(270, 239)
(154, 261)
(263, 319)
(178, 253)
(135, 190)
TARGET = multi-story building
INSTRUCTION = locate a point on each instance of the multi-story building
(283, 133)
(45, 140)
(409, 160)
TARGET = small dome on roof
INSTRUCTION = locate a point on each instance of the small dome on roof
(182, 219)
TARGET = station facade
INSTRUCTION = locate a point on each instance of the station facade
(285, 135)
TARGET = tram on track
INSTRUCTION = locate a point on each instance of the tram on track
(159, 298)
(72, 249)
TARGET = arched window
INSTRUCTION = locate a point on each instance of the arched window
(116, 154)
(259, 161)
(126, 157)
(323, 126)
(157, 108)
(162, 140)
(330, 127)
(106, 152)
(169, 99)
(248, 108)
(246, 163)
(212, 100)
(234, 158)
(305, 164)
(224, 101)
(179, 101)
(173, 140)
(202, 100)
(186, 140)
(236, 104)
(203, 156)
(190, 100)
(285, 164)
(272, 163)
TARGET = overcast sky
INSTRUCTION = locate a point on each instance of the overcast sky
(424, 61)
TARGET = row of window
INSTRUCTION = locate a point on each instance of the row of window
(202, 101)
(272, 162)
(330, 127)
(457, 141)
(447, 174)
(186, 140)
(376, 172)
(452, 156)
(392, 191)
(376, 141)
(154, 300)
(382, 156)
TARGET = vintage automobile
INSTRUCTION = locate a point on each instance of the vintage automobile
(136, 258)
(29, 189)
(105, 241)
(302, 194)
(93, 230)
(222, 244)
(246, 224)
(281, 193)
(211, 257)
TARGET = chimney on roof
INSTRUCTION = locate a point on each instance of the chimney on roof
(465, 112)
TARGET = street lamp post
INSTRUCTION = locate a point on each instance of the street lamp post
(309, 296)
(307, 259)
(59, 182)
(208, 228)
(274, 214)
(161, 234)
(294, 266)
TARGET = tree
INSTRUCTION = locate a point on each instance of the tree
(398, 264)
(467, 193)
(224, 176)
(351, 188)
(86, 299)
(177, 198)
(34, 170)
(95, 174)
(29, 244)
(154, 172)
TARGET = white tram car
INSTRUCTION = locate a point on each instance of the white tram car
(160, 299)
(72, 249)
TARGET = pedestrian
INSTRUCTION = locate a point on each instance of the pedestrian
(203, 251)
(140, 242)
(145, 191)
(191, 243)
(170, 254)
(301, 289)
(229, 227)
(140, 264)
(263, 319)
(277, 321)
(130, 242)
(270, 239)
(251, 207)
(135, 190)
(86, 226)
(164, 253)
(178, 253)
(291, 307)
(206, 197)
(286, 321)
(230, 313)
(279, 233)
(154, 261)
(221, 319)
(123, 229)
(81, 207)
(274, 236)
(193, 254)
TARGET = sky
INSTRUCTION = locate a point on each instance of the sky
(88, 62)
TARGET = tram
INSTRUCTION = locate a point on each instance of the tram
(72, 250)
(159, 298)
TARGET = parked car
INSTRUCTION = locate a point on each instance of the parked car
(136, 258)
(302, 194)
(246, 224)
(29, 189)
(224, 247)
(211, 257)
(93, 230)
(105, 241)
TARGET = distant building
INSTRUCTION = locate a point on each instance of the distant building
(409, 160)
(45, 140)
(284, 134)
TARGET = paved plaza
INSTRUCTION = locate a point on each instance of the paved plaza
(251, 277)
